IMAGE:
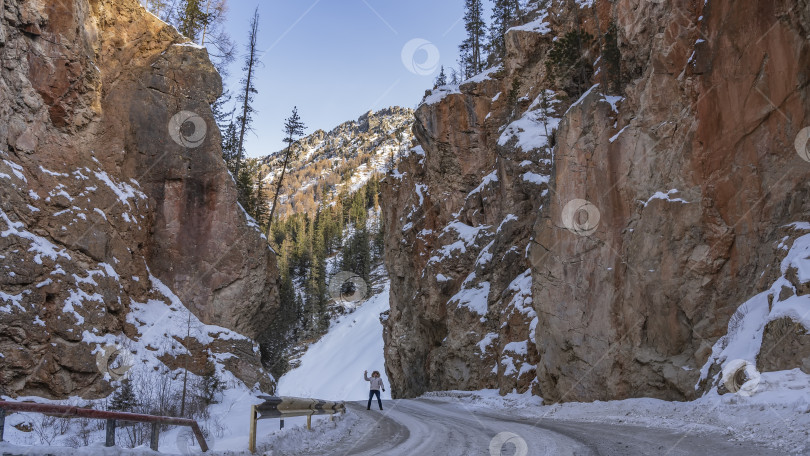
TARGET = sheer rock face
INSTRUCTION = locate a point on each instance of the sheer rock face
(637, 305)
(460, 210)
(105, 184)
(693, 172)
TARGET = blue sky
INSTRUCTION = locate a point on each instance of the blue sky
(337, 59)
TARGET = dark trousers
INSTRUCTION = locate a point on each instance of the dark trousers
(371, 394)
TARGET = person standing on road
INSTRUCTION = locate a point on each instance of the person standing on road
(375, 386)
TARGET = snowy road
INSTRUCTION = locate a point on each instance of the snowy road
(426, 427)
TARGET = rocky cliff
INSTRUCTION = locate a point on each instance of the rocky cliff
(589, 234)
(113, 185)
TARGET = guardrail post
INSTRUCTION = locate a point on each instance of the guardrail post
(110, 441)
(154, 439)
(195, 428)
(281, 423)
(2, 422)
(252, 438)
(309, 422)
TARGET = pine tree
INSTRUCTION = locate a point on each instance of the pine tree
(283, 329)
(379, 241)
(301, 244)
(214, 36)
(248, 91)
(124, 399)
(441, 80)
(192, 19)
(454, 80)
(356, 254)
(505, 14)
(244, 186)
(293, 129)
(471, 49)
(312, 300)
(320, 283)
(203, 22)
(222, 115)
(567, 61)
(333, 228)
(358, 208)
(212, 15)
(209, 385)
(462, 66)
(301, 307)
(251, 192)
(373, 193)
(230, 143)
(612, 58)
(260, 211)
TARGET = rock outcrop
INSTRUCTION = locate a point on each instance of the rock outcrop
(459, 212)
(785, 345)
(112, 181)
(651, 205)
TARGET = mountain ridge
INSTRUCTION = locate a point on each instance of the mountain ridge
(340, 160)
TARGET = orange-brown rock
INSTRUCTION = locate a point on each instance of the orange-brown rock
(105, 183)
(633, 309)
(692, 170)
(459, 212)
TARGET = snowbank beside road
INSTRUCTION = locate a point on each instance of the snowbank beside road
(777, 415)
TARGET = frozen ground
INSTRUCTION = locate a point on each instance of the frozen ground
(460, 428)
(777, 415)
(465, 423)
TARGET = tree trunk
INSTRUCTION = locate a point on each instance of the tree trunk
(205, 27)
(278, 187)
(248, 85)
(185, 374)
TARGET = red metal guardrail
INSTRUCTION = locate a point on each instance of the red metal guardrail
(67, 411)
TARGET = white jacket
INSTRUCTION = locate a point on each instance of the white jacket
(376, 382)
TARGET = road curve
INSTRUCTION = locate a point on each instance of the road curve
(426, 427)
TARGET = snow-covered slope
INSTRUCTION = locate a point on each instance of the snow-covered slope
(160, 326)
(332, 368)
